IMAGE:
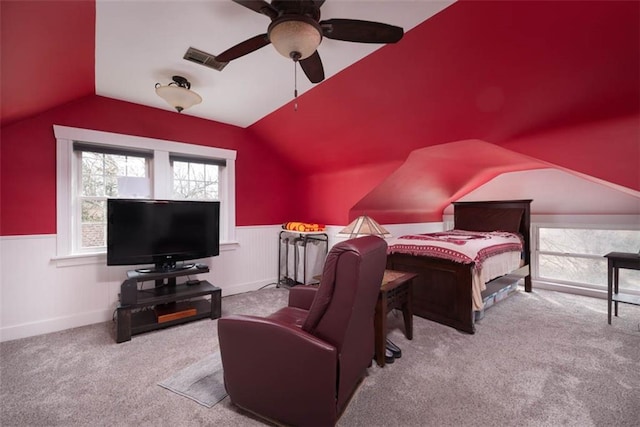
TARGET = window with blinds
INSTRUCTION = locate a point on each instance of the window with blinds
(106, 172)
(196, 178)
(93, 166)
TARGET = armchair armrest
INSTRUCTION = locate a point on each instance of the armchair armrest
(302, 296)
(259, 371)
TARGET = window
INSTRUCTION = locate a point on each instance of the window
(93, 166)
(196, 179)
(576, 255)
(102, 174)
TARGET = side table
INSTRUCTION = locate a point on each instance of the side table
(617, 260)
(395, 292)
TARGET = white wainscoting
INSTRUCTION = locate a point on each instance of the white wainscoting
(40, 294)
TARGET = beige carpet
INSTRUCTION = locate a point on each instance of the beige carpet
(202, 382)
(540, 359)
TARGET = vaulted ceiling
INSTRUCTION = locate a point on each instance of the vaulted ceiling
(489, 70)
(493, 71)
(124, 48)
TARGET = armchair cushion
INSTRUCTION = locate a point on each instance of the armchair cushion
(289, 316)
(302, 296)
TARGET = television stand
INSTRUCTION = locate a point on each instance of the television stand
(167, 304)
(161, 269)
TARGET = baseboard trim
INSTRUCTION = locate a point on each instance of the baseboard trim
(246, 287)
(48, 326)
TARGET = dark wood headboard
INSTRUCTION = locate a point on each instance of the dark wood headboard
(499, 215)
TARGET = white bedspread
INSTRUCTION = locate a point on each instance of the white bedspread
(493, 254)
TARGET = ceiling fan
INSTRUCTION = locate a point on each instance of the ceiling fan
(296, 31)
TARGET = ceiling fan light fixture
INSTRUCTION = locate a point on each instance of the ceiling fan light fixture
(178, 94)
(296, 37)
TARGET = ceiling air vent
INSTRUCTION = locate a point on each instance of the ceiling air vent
(204, 58)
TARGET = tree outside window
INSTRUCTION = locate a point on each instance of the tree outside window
(577, 255)
(99, 181)
(195, 181)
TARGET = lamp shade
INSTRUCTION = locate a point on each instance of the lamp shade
(364, 226)
(295, 38)
(178, 94)
(178, 97)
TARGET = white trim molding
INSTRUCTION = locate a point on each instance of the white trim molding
(65, 182)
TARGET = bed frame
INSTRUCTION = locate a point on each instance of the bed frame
(442, 290)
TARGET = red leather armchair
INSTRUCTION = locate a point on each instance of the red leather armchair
(301, 365)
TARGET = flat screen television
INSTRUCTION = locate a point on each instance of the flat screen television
(161, 232)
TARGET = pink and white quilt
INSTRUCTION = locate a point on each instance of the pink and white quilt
(493, 253)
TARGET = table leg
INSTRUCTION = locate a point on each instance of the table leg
(216, 306)
(380, 329)
(609, 290)
(407, 313)
(123, 324)
(615, 289)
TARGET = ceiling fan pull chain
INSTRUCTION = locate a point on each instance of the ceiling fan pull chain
(295, 85)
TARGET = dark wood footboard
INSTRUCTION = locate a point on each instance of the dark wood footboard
(442, 290)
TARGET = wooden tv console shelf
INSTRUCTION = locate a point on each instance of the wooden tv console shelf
(167, 304)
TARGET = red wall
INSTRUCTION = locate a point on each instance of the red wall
(330, 196)
(28, 163)
(605, 149)
(556, 81)
(399, 192)
(47, 55)
(267, 192)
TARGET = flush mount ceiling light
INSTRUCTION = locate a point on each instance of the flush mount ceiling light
(295, 37)
(178, 94)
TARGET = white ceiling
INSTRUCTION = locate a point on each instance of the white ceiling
(140, 43)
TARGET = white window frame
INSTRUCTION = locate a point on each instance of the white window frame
(161, 181)
(76, 168)
(596, 222)
(218, 164)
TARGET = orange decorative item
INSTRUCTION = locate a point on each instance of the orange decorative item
(302, 226)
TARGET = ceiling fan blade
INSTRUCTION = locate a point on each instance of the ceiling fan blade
(353, 30)
(312, 67)
(259, 6)
(241, 49)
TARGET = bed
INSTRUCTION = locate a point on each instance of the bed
(443, 290)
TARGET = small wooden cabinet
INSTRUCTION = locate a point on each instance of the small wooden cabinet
(167, 304)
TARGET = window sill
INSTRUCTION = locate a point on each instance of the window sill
(73, 260)
(80, 259)
(570, 288)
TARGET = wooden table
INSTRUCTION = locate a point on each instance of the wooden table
(395, 292)
(617, 260)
